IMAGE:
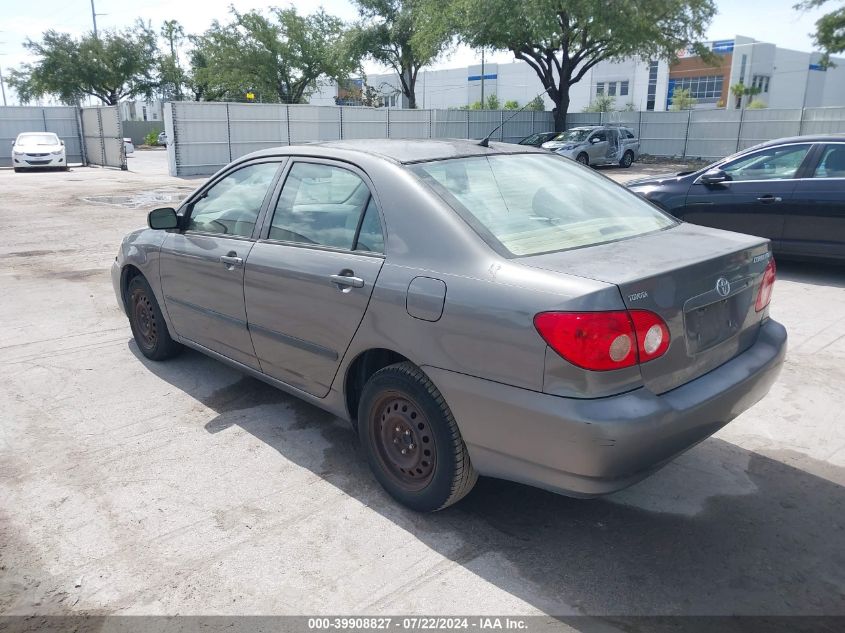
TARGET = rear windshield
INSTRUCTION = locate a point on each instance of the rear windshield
(39, 139)
(529, 204)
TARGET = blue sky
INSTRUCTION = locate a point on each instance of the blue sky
(770, 21)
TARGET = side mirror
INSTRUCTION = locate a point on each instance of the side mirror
(164, 218)
(594, 140)
(713, 177)
(62, 142)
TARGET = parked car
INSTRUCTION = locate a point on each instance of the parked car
(536, 140)
(495, 311)
(33, 150)
(790, 190)
(597, 145)
(128, 146)
(162, 138)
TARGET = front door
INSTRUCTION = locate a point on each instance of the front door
(597, 147)
(816, 226)
(202, 266)
(757, 196)
(309, 278)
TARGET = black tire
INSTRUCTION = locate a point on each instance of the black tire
(436, 471)
(627, 159)
(17, 171)
(148, 326)
(583, 158)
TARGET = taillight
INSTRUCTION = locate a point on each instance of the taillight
(602, 341)
(764, 294)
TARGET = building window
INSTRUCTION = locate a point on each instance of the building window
(761, 82)
(742, 69)
(704, 89)
(623, 89)
(652, 85)
(600, 88)
(611, 88)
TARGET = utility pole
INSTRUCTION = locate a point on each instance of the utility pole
(482, 76)
(94, 15)
(2, 87)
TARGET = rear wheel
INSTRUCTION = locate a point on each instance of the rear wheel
(627, 159)
(148, 326)
(583, 159)
(411, 440)
(17, 170)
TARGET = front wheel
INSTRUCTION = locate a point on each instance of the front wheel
(411, 440)
(583, 159)
(148, 326)
(627, 159)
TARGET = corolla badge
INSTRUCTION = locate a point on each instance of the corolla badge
(723, 287)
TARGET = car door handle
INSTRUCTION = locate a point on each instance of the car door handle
(769, 198)
(347, 280)
(231, 260)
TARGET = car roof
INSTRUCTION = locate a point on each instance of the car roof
(401, 150)
(810, 138)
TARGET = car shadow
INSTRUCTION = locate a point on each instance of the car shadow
(722, 530)
(816, 273)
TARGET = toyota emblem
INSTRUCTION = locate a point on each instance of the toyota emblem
(723, 287)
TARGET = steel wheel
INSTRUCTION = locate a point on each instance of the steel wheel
(403, 440)
(145, 319)
(627, 159)
(583, 159)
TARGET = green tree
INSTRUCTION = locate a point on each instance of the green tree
(682, 100)
(537, 104)
(740, 90)
(602, 103)
(171, 76)
(511, 104)
(492, 102)
(390, 34)
(114, 66)
(830, 29)
(563, 39)
(279, 56)
(756, 104)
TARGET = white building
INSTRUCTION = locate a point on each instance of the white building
(786, 78)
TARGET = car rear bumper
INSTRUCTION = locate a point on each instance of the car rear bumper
(588, 447)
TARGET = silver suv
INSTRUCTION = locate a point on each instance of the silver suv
(597, 145)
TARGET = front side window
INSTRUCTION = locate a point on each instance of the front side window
(532, 203)
(231, 206)
(575, 135)
(322, 205)
(772, 163)
(832, 163)
(599, 136)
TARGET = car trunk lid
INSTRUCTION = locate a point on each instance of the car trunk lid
(702, 282)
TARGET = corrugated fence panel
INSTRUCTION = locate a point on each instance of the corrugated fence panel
(59, 119)
(544, 121)
(577, 119)
(313, 123)
(200, 137)
(662, 133)
(93, 136)
(112, 133)
(409, 124)
(449, 123)
(364, 122)
(256, 126)
(823, 121)
(482, 121)
(712, 133)
(518, 127)
(763, 125)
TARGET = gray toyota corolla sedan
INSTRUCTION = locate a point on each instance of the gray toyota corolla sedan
(496, 311)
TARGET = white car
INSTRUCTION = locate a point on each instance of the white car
(128, 146)
(32, 150)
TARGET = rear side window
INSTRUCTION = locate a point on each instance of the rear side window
(323, 205)
(533, 203)
(832, 163)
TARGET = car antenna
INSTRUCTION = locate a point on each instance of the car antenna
(485, 142)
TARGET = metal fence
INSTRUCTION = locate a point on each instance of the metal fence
(102, 134)
(202, 137)
(63, 121)
(715, 133)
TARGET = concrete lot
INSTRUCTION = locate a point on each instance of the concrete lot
(129, 487)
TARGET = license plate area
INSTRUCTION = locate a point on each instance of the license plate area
(711, 324)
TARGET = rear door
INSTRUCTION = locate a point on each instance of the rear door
(756, 198)
(202, 266)
(816, 225)
(309, 278)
